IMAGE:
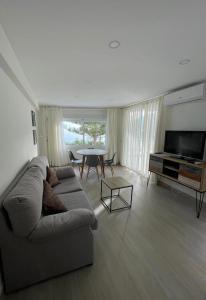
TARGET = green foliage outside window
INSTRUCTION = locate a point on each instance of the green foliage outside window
(88, 133)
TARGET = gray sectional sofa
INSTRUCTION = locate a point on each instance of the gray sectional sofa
(36, 247)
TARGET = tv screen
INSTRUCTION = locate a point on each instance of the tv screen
(185, 143)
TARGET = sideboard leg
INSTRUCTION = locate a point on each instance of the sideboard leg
(148, 179)
(199, 202)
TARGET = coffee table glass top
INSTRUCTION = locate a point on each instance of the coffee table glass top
(116, 182)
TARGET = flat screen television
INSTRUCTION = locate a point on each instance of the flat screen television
(185, 143)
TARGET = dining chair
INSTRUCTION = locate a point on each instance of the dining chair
(109, 163)
(92, 162)
(74, 160)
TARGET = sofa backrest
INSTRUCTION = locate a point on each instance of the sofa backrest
(41, 162)
(24, 203)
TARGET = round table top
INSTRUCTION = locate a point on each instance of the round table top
(92, 152)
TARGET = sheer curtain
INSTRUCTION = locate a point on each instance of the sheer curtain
(112, 132)
(51, 142)
(141, 134)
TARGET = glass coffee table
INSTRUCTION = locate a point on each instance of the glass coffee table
(116, 184)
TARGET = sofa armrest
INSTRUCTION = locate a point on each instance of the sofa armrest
(65, 172)
(62, 223)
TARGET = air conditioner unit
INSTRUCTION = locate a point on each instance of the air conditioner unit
(196, 92)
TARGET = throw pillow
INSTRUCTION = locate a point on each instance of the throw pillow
(52, 177)
(51, 203)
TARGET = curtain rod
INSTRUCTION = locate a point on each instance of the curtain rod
(74, 107)
(144, 100)
(165, 93)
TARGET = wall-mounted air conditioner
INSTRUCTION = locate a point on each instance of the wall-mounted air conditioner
(196, 92)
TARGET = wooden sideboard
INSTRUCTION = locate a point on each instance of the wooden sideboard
(189, 174)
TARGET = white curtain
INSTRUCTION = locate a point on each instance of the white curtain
(141, 134)
(112, 133)
(51, 141)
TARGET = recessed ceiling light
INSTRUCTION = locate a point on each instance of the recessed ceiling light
(184, 61)
(114, 44)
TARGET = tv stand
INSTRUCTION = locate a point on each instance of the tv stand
(181, 171)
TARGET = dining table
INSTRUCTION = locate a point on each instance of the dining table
(87, 152)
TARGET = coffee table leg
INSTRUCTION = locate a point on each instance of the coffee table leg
(131, 196)
(110, 208)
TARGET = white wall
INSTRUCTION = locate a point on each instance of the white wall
(11, 66)
(16, 102)
(185, 116)
(16, 141)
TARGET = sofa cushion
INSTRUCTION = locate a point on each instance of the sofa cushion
(41, 162)
(51, 203)
(68, 185)
(75, 200)
(24, 203)
(65, 172)
(78, 200)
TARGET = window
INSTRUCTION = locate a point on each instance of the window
(84, 132)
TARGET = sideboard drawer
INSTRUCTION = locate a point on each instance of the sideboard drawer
(189, 182)
(190, 172)
(155, 164)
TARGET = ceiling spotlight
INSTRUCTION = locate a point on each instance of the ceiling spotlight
(184, 61)
(114, 44)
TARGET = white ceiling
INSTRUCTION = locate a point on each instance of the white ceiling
(62, 46)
